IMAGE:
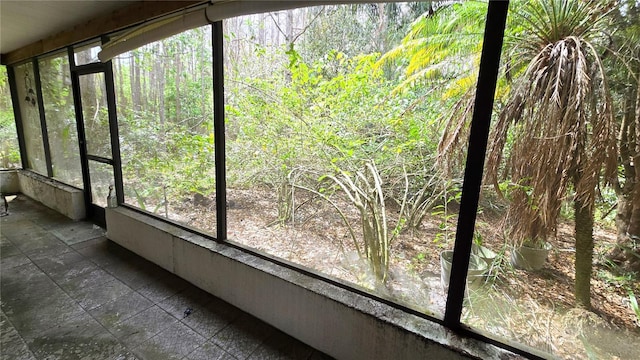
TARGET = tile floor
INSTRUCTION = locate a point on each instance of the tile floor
(66, 292)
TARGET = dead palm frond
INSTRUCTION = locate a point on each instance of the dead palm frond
(560, 112)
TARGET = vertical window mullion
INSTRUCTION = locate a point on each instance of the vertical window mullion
(17, 115)
(43, 122)
(218, 132)
(82, 139)
(474, 168)
(114, 131)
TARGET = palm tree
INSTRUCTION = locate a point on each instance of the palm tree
(555, 135)
(559, 114)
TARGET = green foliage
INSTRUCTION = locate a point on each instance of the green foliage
(168, 135)
(451, 194)
(364, 191)
(9, 150)
(634, 306)
(441, 48)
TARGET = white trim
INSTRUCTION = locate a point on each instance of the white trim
(219, 10)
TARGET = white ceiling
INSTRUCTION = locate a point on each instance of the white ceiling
(25, 22)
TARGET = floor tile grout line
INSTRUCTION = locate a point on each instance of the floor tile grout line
(94, 256)
(186, 357)
(88, 312)
(84, 310)
(134, 346)
(207, 338)
(19, 335)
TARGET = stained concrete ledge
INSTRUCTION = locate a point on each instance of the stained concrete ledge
(9, 182)
(63, 198)
(331, 319)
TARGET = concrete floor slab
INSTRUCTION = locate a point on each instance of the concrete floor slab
(174, 342)
(83, 276)
(32, 322)
(12, 346)
(209, 351)
(136, 274)
(68, 274)
(45, 246)
(77, 232)
(163, 288)
(243, 336)
(99, 293)
(279, 346)
(58, 263)
(78, 338)
(7, 249)
(17, 230)
(142, 326)
(120, 309)
(66, 294)
(212, 318)
(13, 261)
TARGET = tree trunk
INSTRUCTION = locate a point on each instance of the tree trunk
(584, 252)
(119, 77)
(135, 83)
(289, 28)
(160, 82)
(633, 232)
(627, 252)
(178, 64)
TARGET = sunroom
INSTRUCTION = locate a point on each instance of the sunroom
(369, 179)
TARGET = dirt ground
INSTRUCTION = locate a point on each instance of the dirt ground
(534, 308)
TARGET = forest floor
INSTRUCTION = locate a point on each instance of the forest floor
(535, 308)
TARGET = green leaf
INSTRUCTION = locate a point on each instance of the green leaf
(634, 306)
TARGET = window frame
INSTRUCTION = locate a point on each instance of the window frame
(495, 24)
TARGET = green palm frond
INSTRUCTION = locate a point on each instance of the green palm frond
(546, 22)
(448, 42)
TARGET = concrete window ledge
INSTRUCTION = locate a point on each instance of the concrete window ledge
(331, 319)
(65, 199)
(9, 182)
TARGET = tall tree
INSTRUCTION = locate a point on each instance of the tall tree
(625, 75)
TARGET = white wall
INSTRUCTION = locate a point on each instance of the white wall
(65, 199)
(9, 182)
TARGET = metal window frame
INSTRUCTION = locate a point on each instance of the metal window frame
(82, 143)
(477, 148)
(114, 132)
(106, 69)
(218, 132)
(61, 54)
(17, 115)
(490, 60)
(43, 120)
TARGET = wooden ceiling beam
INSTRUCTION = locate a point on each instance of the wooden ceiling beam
(131, 15)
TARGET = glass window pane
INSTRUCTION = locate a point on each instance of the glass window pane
(9, 148)
(333, 125)
(164, 98)
(563, 279)
(28, 103)
(96, 114)
(87, 54)
(101, 178)
(60, 115)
